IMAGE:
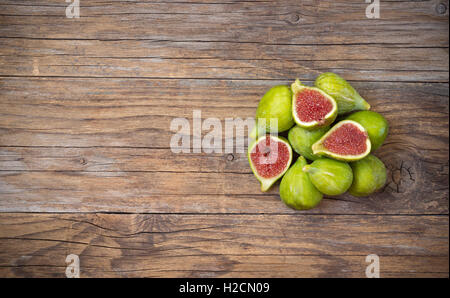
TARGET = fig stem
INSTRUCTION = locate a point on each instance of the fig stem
(361, 103)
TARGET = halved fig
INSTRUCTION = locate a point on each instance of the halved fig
(347, 140)
(269, 158)
(312, 107)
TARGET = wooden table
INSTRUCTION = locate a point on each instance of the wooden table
(85, 165)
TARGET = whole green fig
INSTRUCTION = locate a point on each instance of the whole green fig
(276, 104)
(369, 175)
(376, 125)
(301, 140)
(347, 98)
(296, 190)
(330, 177)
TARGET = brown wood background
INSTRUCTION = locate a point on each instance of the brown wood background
(85, 164)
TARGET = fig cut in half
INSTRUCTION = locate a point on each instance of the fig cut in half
(312, 107)
(269, 157)
(347, 140)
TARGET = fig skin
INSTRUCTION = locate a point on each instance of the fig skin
(276, 104)
(330, 177)
(369, 176)
(347, 98)
(301, 140)
(376, 125)
(296, 190)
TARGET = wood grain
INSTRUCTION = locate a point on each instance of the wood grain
(222, 245)
(219, 60)
(86, 112)
(85, 163)
(151, 180)
(273, 22)
(122, 159)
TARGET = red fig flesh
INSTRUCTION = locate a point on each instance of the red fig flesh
(269, 157)
(311, 105)
(347, 140)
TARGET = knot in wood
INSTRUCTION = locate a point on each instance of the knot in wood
(441, 8)
(293, 18)
(401, 177)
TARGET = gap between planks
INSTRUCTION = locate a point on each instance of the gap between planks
(210, 79)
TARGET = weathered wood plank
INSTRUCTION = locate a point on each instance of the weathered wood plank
(85, 112)
(209, 266)
(325, 22)
(167, 59)
(156, 180)
(80, 132)
(118, 245)
(118, 160)
(108, 113)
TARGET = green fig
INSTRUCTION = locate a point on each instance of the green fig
(347, 98)
(296, 190)
(376, 125)
(276, 104)
(311, 107)
(301, 140)
(369, 175)
(330, 177)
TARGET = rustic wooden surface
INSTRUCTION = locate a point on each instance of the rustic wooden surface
(85, 163)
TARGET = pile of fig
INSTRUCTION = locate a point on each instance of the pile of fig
(330, 126)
